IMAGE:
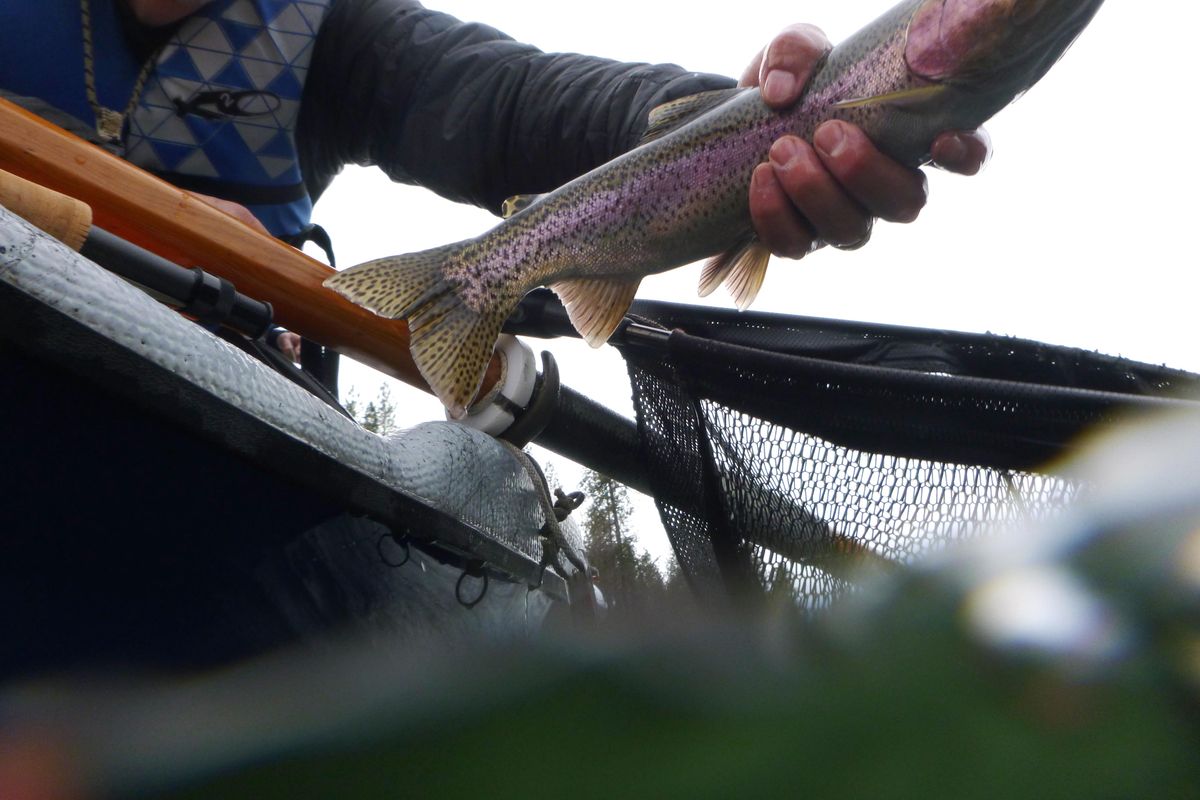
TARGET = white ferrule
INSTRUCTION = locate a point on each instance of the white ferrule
(492, 413)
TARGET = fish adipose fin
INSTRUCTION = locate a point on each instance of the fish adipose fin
(451, 344)
(677, 113)
(518, 203)
(596, 307)
(742, 270)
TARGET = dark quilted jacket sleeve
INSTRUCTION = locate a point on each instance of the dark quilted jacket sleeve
(464, 110)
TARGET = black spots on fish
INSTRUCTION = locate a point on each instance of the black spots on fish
(451, 345)
(394, 286)
(415, 286)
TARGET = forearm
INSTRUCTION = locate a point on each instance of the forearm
(466, 111)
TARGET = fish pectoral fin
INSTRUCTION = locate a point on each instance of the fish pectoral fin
(451, 344)
(518, 203)
(748, 274)
(715, 271)
(677, 113)
(913, 97)
(596, 306)
(742, 269)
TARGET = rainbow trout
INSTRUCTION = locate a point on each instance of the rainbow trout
(924, 67)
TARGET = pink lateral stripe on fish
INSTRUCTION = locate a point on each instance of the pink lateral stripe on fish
(924, 67)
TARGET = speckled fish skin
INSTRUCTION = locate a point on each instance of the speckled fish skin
(924, 67)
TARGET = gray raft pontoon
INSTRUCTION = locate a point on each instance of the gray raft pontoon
(171, 502)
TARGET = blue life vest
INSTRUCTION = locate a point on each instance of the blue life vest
(219, 109)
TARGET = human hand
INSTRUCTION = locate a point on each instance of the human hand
(833, 189)
(288, 343)
(238, 212)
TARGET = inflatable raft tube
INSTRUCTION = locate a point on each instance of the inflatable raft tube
(172, 502)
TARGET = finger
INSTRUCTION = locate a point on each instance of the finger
(288, 343)
(883, 186)
(963, 152)
(776, 221)
(751, 74)
(244, 214)
(787, 64)
(833, 214)
(293, 346)
(235, 210)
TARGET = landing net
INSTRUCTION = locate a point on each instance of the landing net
(789, 455)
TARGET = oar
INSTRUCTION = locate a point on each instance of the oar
(143, 209)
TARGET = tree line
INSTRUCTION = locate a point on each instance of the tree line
(632, 583)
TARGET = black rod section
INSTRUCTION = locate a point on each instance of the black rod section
(193, 289)
(597, 437)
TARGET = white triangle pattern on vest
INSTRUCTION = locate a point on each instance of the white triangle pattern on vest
(224, 97)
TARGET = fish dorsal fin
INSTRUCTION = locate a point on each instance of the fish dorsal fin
(741, 268)
(596, 307)
(677, 113)
(518, 203)
(913, 98)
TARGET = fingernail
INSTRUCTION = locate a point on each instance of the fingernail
(779, 87)
(988, 151)
(953, 150)
(784, 152)
(830, 139)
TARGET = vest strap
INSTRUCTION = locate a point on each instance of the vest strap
(244, 193)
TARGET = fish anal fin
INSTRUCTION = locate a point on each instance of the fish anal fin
(450, 343)
(596, 306)
(518, 203)
(747, 275)
(677, 113)
(912, 97)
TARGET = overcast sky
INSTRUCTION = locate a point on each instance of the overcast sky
(1078, 233)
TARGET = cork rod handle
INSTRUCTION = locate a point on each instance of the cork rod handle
(64, 218)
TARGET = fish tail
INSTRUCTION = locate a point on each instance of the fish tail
(451, 343)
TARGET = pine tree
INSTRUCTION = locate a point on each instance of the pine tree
(631, 581)
(647, 575)
(380, 414)
(351, 405)
(675, 582)
(605, 523)
(550, 473)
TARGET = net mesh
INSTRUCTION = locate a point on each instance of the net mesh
(791, 456)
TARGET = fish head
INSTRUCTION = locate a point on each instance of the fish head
(994, 47)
